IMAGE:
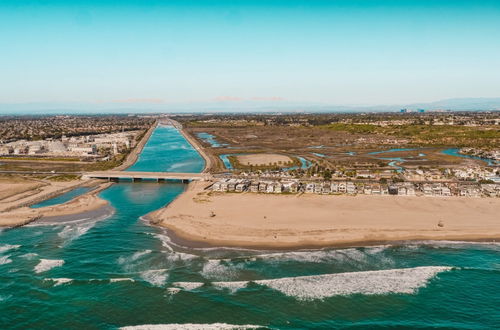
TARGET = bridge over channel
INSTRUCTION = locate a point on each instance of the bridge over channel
(139, 176)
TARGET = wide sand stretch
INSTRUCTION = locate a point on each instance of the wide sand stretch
(290, 221)
(263, 159)
(84, 203)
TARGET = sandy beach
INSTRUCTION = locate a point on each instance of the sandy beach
(84, 203)
(291, 221)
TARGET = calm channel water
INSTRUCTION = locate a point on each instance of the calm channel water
(119, 271)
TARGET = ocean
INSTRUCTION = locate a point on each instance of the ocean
(108, 273)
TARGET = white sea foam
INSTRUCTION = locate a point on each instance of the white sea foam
(406, 280)
(5, 260)
(192, 326)
(188, 285)
(156, 277)
(121, 279)
(29, 256)
(47, 264)
(215, 269)
(59, 281)
(133, 257)
(72, 232)
(173, 291)
(231, 286)
(165, 241)
(8, 247)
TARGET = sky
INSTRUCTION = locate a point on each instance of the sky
(167, 53)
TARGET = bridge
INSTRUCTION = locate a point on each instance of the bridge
(139, 176)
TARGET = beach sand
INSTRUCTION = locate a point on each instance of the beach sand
(292, 221)
(84, 203)
(263, 159)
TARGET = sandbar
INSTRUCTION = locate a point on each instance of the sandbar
(306, 221)
(85, 203)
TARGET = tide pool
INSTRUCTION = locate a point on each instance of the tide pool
(120, 271)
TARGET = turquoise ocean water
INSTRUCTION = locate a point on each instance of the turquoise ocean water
(119, 271)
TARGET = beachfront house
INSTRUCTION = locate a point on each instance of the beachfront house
(262, 187)
(342, 187)
(254, 187)
(325, 190)
(242, 186)
(351, 188)
(270, 188)
(310, 188)
(278, 188)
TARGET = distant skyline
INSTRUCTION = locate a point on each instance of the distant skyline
(161, 54)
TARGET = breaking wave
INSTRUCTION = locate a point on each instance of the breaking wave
(7, 247)
(72, 232)
(156, 277)
(192, 326)
(215, 269)
(188, 285)
(376, 282)
(5, 260)
(59, 281)
(47, 264)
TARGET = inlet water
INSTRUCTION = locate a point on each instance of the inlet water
(120, 271)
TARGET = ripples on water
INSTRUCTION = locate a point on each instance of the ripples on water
(121, 272)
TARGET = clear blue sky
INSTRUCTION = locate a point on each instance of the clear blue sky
(335, 52)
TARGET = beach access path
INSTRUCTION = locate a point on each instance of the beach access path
(308, 221)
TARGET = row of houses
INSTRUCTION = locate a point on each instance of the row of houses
(352, 188)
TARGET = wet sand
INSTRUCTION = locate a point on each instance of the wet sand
(289, 221)
(87, 202)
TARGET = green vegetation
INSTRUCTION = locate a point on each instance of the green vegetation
(428, 134)
(64, 177)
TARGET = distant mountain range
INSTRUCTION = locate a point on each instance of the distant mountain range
(457, 104)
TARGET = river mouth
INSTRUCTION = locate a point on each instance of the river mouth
(120, 271)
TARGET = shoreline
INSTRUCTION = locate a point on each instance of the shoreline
(194, 143)
(85, 203)
(133, 156)
(193, 244)
(202, 219)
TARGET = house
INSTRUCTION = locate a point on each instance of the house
(317, 188)
(278, 188)
(310, 188)
(325, 189)
(216, 186)
(262, 187)
(254, 187)
(342, 187)
(351, 188)
(294, 187)
(334, 187)
(393, 190)
(270, 188)
(242, 186)
(427, 190)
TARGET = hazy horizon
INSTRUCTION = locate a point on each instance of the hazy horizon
(150, 55)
